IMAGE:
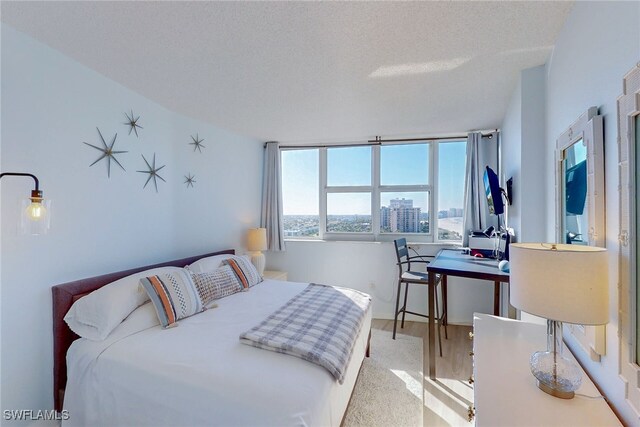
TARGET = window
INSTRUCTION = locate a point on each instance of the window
(406, 164)
(349, 167)
(300, 184)
(451, 176)
(348, 190)
(348, 212)
(375, 192)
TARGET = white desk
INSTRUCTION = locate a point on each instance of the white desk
(505, 391)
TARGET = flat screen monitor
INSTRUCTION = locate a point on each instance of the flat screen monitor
(576, 188)
(493, 192)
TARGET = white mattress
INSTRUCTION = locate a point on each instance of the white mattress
(200, 374)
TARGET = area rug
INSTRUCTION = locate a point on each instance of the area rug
(388, 391)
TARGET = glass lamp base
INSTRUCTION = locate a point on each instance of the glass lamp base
(556, 375)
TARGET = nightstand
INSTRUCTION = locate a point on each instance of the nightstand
(275, 275)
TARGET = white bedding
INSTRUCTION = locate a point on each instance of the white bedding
(200, 374)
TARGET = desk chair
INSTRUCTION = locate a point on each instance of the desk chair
(408, 276)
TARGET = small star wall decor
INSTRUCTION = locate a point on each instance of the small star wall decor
(197, 143)
(132, 122)
(189, 180)
(107, 152)
(152, 170)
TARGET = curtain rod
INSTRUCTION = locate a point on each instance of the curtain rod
(379, 141)
(337, 145)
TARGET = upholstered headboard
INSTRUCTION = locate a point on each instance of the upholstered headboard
(66, 294)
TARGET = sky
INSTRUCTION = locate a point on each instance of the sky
(399, 165)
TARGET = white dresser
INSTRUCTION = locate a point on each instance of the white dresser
(505, 391)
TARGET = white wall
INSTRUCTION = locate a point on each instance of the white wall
(510, 160)
(360, 264)
(598, 45)
(524, 158)
(533, 193)
(523, 155)
(50, 105)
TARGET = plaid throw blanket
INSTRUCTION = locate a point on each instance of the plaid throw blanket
(320, 325)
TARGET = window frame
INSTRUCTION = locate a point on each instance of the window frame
(376, 190)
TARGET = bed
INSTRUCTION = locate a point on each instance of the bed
(195, 374)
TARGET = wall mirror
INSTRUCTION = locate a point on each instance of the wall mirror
(580, 202)
(628, 268)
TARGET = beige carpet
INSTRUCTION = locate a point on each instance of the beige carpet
(388, 391)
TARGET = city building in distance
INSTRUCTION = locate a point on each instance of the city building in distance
(401, 217)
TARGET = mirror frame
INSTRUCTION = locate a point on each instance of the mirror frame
(589, 128)
(628, 109)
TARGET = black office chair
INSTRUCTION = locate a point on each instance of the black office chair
(408, 276)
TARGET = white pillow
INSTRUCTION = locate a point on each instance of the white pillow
(143, 317)
(94, 316)
(208, 264)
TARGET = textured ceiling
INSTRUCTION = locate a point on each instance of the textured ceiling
(309, 71)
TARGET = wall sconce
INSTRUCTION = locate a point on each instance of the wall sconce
(256, 243)
(35, 212)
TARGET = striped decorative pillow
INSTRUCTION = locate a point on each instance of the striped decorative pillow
(173, 295)
(244, 271)
(216, 284)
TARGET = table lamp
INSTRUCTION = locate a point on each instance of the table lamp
(256, 243)
(562, 283)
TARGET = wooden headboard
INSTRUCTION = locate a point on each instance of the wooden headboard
(66, 294)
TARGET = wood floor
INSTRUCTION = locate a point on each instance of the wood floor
(446, 400)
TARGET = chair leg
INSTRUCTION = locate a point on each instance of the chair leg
(395, 316)
(406, 291)
(445, 306)
(439, 320)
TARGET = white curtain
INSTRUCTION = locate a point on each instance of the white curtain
(271, 216)
(481, 152)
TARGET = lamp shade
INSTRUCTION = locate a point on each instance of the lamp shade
(257, 239)
(566, 283)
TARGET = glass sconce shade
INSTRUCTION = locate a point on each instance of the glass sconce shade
(35, 212)
(35, 216)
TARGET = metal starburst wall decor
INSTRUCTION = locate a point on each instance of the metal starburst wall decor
(132, 122)
(107, 152)
(152, 171)
(189, 180)
(197, 143)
